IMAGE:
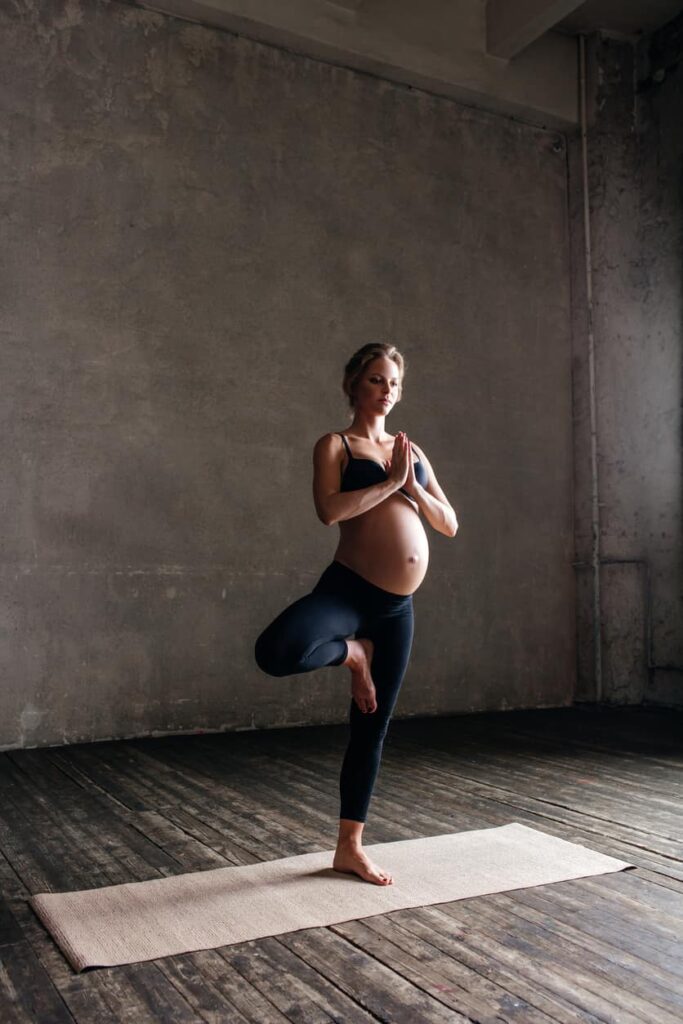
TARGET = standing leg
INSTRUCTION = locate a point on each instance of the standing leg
(393, 639)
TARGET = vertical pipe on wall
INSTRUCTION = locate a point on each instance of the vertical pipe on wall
(595, 505)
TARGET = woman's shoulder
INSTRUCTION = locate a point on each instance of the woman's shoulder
(329, 443)
(330, 437)
(417, 448)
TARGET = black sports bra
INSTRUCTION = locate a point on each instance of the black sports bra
(365, 472)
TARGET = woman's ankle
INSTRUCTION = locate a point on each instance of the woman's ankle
(353, 650)
(350, 833)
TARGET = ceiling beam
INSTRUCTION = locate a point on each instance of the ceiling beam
(352, 5)
(513, 24)
(539, 89)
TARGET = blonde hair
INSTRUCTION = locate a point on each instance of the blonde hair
(354, 369)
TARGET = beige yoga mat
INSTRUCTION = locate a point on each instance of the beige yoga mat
(121, 924)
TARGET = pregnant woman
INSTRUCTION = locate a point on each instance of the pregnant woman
(367, 481)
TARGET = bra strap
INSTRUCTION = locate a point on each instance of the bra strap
(346, 444)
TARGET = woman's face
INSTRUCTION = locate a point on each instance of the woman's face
(377, 390)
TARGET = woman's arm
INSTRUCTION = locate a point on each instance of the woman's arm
(431, 500)
(331, 504)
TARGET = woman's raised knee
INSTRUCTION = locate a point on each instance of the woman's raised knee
(278, 655)
(267, 659)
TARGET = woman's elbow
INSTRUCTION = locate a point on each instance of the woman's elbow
(325, 516)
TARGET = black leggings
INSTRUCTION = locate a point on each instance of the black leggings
(311, 632)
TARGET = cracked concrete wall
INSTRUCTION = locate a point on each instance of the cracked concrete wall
(198, 230)
(635, 173)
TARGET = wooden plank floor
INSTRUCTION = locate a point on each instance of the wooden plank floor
(607, 948)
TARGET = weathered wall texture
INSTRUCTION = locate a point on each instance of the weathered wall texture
(197, 231)
(439, 46)
(660, 380)
(635, 173)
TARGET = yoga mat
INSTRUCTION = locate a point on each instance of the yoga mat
(122, 924)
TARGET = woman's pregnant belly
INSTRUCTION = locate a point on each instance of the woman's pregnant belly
(387, 545)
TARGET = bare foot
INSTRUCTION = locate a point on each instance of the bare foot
(362, 687)
(351, 858)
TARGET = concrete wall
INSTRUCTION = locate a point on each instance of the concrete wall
(635, 173)
(660, 377)
(198, 230)
(436, 45)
